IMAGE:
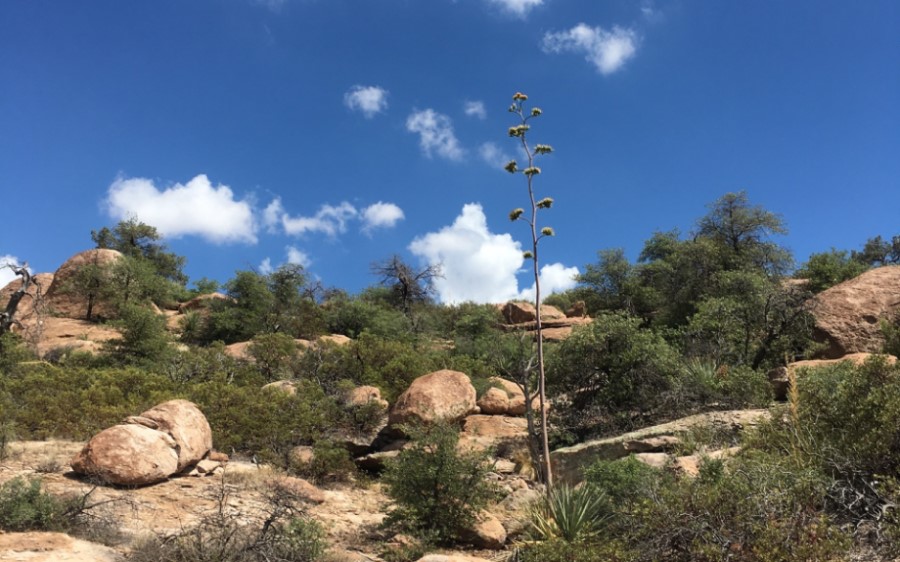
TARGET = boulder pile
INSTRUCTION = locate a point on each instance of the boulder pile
(165, 440)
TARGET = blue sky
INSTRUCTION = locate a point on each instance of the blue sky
(335, 133)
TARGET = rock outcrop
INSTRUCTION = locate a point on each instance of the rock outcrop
(780, 377)
(516, 312)
(443, 395)
(53, 547)
(848, 315)
(148, 448)
(569, 462)
(63, 302)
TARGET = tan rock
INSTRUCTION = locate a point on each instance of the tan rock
(520, 312)
(336, 339)
(654, 460)
(53, 547)
(442, 395)
(300, 488)
(202, 301)
(67, 305)
(487, 532)
(779, 377)
(689, 465)
(128, 455)
(218, 457)
(187, 425)
(494, 402)
(68, 333)
(25, 311)
(848, 315)
(363, 395)
(239, 350)
(450, 558)
(481, 432)
(285, 386)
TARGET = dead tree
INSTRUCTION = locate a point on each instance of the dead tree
(8, 316)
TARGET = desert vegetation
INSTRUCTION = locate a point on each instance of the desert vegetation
(277, 363)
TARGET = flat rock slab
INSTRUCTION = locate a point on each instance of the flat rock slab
(569, 462)
(52, 547)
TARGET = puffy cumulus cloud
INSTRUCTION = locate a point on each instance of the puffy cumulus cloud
(436, 134)
(370, 100)
(331, 220)
(297, 257)
(517, 7)
(475, 109)
(6, 272)
(555, 278)
(196, 208)
(381, 215)
(479, 265)
(265, 267)
(493, 155)
(607, 50)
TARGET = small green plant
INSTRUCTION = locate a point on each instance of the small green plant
(569, 513)
(438, 491)
(330, 463)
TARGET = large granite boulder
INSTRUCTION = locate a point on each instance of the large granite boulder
(516, 312)
(128, 455)
(848, 315)
(443, 395)
(60, 297)
(187, 425)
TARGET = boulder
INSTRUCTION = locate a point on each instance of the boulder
(238, 350)
(300, 488)
(202, 302)
(336, 339)
(128, 455)
(63, 302)
(285, 386)
(363, 395)
(522, 312)
(487, 532)
(442, 395)
(186, 424)
(81, 335)
(690, 465)
(578, 310)
(494, 402)
(481, 432)
(848, 315)
(653, 460)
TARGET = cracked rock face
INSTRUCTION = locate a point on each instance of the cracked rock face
(148, 448)
(848, 315)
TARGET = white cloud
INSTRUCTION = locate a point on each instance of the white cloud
(265, 267)
(555, 278)
(381, 215)
(479, 265)
(297, 257)
(475, 109)
(193, 209)
(370, 100)
(493, 155)
(6, 273)
(329, 219)
(517, 7)
(607, 50)
(435, 134)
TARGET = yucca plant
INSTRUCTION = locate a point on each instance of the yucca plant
(569, 513)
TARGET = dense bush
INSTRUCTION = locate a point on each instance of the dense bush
(438, 490)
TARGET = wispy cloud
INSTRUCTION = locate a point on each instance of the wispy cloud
(196, 208)
(479, 265)
(369, 100)
(331, 220)
(519, 8)
(297, 257)
(436, 134)
(608, 51)
(475, 109)
(493, 155)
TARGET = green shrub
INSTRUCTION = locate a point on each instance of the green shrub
(24, 506)
(622, 481)
(570, 514)
(438, 491)
(608, 550)
(330, 463)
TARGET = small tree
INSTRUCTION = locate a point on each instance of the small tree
(520, 132)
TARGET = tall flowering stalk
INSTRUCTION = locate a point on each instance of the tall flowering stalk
(520, 132)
